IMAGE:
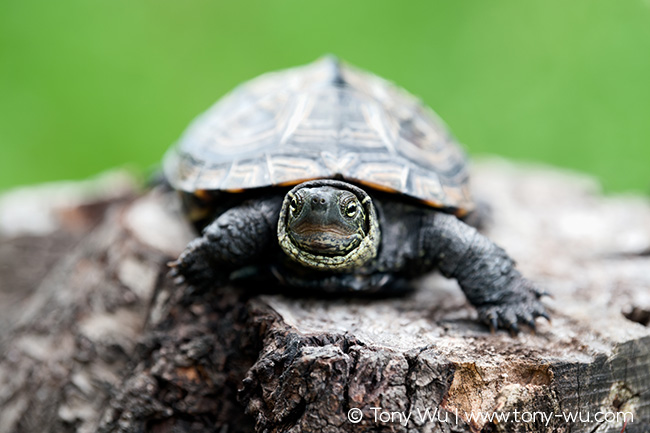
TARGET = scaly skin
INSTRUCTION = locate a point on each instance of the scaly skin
(236, 238)
(487, 275)
(414, 240)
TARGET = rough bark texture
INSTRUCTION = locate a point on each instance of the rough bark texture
(95, 338)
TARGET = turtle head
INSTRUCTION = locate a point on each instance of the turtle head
(328, 225)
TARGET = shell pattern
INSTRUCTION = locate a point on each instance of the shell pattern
(323, 120)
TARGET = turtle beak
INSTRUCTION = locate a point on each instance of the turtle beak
(324, 239)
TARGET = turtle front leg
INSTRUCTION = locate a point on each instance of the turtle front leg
(234, 239)
(485, 272)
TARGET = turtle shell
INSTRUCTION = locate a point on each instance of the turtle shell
(323, 120)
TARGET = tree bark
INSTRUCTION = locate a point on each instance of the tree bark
(94, 336)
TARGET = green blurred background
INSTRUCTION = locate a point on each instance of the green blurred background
(86, 85)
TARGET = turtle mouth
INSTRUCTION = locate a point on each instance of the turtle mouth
(329, 240)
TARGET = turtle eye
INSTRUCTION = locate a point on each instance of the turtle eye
(351, 209)
(293, 205)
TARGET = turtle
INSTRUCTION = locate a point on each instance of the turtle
(325, 178)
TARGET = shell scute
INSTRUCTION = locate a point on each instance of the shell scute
(323, 120)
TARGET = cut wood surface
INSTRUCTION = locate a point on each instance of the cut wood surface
(94, 337)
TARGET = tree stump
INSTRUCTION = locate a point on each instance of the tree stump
(94, 337)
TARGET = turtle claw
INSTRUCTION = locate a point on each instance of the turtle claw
(533, 327)
(178, 272)
(514, 329)
(494, 324)
(511, 316)
(175, 272)
(545, 315)
(541, 293)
